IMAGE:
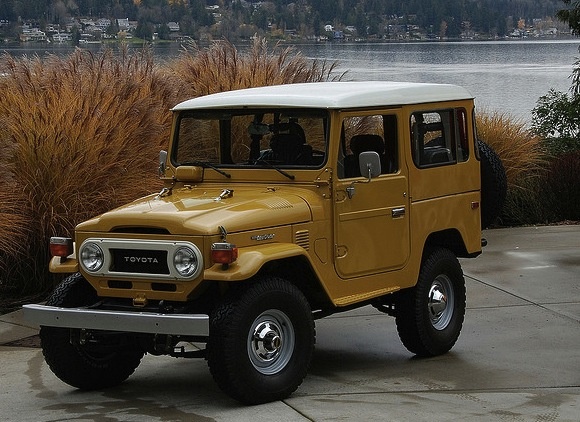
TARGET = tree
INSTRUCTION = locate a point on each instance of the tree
(76, 35)
(163, 32)
(571, 15)
(113, 28)
(144, 30)
(556, 116)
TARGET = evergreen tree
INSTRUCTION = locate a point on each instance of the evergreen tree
(556, 116)
(571, 15)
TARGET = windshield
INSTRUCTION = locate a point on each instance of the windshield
(263, 138)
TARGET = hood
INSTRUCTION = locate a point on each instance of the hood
(198, 211)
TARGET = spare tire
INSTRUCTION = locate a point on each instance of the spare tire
(493, 184)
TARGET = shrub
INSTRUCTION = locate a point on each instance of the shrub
(550, 196)
(527, 203)
(84, 134)
(563, 186)
(524, 159)
(556, 119)
(518, 147)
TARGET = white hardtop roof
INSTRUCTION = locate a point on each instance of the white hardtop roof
(330, 95)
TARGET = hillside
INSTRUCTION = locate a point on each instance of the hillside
(300, 18)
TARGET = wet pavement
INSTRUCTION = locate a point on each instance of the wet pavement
(517, 359)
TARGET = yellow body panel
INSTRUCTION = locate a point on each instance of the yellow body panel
(58, 265)
(250, 261)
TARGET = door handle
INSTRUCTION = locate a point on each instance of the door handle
(398, 212)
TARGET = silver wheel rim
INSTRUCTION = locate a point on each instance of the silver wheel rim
(271, 342)
(441, 303)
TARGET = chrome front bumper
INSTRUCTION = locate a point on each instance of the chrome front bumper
(124, 321)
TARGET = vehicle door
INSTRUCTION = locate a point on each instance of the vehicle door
(371, 217)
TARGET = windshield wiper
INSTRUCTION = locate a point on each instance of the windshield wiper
(272, 166)
(206, 164)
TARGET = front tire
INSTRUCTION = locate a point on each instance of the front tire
(88, 366)
(430, 315)
(261, 342)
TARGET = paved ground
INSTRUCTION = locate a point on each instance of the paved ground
(517, 359)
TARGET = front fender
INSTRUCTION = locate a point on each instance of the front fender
(58, 265)
(250, 260)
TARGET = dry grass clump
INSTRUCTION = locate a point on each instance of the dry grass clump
(222, 67)
(15, 251)
(518, 147)
(84, 132)
(14, 231)
(82, 127)
(530, 198)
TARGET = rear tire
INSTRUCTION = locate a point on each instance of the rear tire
(261, 342)
(88, 366)
(430, 315)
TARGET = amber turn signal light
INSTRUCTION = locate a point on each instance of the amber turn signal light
(61, 246)
(224, 253)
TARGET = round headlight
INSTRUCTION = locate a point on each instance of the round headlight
(92, 257)
(185, 261)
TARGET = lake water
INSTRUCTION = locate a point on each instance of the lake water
(507, 76)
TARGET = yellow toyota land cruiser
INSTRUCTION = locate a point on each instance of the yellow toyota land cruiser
(280, 205)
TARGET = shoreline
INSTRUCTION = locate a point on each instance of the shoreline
(140, 42)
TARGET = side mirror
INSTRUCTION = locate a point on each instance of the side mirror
(162, 162)
(369, 164)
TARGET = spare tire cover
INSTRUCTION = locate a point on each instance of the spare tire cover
(493, 184)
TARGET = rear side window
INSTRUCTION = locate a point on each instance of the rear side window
(439, 137)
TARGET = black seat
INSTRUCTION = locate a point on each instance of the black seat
(289, 148)
(362, 143)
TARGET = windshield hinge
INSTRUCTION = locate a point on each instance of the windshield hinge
(324, 183)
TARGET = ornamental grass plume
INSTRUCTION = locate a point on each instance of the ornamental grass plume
(84, 133)
(518, 147)
(525, 162)
(222, 67)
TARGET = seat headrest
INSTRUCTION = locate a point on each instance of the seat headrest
(285, 141)
(367, 142)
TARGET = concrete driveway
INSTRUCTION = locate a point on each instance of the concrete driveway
(517, 359)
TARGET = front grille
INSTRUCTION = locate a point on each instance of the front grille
(139, 261)
(129, 259)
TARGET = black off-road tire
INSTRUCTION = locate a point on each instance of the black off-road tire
(430, 315)
(261, 342)
(79, 365)
(493, 184)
